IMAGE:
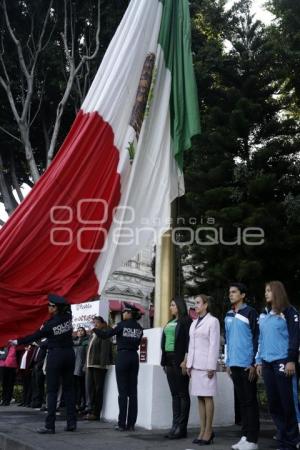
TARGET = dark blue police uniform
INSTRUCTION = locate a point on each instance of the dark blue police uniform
(60, 363)
(129, 334)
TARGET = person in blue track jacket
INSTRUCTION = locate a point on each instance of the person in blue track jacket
(277, 360)
(241, 342)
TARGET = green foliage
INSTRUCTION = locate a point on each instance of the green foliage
(52, 69)
(243, 170)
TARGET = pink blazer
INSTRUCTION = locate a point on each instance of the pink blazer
(204, 344)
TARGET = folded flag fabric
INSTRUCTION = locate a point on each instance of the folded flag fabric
(109, 189)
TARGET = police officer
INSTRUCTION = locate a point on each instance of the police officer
(129, 334)
(60, 360)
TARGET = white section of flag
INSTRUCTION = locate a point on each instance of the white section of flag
(153, 184)
(114, 88)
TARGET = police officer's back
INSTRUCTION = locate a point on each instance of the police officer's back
(60, 360)
(129, 334)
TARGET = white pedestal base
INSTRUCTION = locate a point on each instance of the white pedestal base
(154, 398)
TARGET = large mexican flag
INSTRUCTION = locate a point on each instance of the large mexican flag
(108, 191)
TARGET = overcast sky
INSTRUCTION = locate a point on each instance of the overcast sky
(258, 9)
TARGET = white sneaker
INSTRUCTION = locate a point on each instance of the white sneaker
(248, 446)
(237, 445)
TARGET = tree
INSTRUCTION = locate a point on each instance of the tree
(20, 95)
(242, 169)
(286, 41)
(48, 61)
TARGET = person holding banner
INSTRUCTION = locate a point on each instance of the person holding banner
(98, 359)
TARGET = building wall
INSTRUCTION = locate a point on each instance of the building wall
(133, 282)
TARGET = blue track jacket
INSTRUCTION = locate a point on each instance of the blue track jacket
(241, 337)
(279, 336)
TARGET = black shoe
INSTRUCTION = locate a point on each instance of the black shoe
(118, 428)
(45, 430)
(130, 428)
(196, 441)
(178, 434)
(169, 435)
(70, 428)
(209, 441)
(170, 432)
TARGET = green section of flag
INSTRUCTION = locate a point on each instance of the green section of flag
(175, 40)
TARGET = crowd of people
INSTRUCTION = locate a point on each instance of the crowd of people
(256, 345)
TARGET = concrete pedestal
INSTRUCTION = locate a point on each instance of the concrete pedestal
(154, 398)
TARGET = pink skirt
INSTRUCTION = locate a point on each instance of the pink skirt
(201, 385)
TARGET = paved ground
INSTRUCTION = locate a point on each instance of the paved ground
(17, 432)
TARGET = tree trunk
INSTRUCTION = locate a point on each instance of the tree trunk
(14, 178)
(29, 153)
(8, 204)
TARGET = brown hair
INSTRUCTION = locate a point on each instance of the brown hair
(280, 300)
(207, 300)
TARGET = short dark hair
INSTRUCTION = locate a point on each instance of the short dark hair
(241, 287)
(99, 319)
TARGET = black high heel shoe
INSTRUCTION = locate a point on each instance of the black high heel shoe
(196, 441)
(207, 442)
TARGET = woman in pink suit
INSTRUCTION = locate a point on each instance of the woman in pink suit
(201, 365)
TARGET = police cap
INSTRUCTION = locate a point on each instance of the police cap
(130, 308)
(57, 299)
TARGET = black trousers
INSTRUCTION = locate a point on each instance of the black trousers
(127, 369)
(246, 392)
(37, 385)
(27, 388)
(179, 387)
(79, 385)
(95, 383)
(8, 381)
(60, 368)
(279, 389)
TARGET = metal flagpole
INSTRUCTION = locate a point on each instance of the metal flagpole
(164, 276)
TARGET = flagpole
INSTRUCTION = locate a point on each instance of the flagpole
(165, 276)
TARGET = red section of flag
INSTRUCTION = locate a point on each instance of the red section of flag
(51, 242)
